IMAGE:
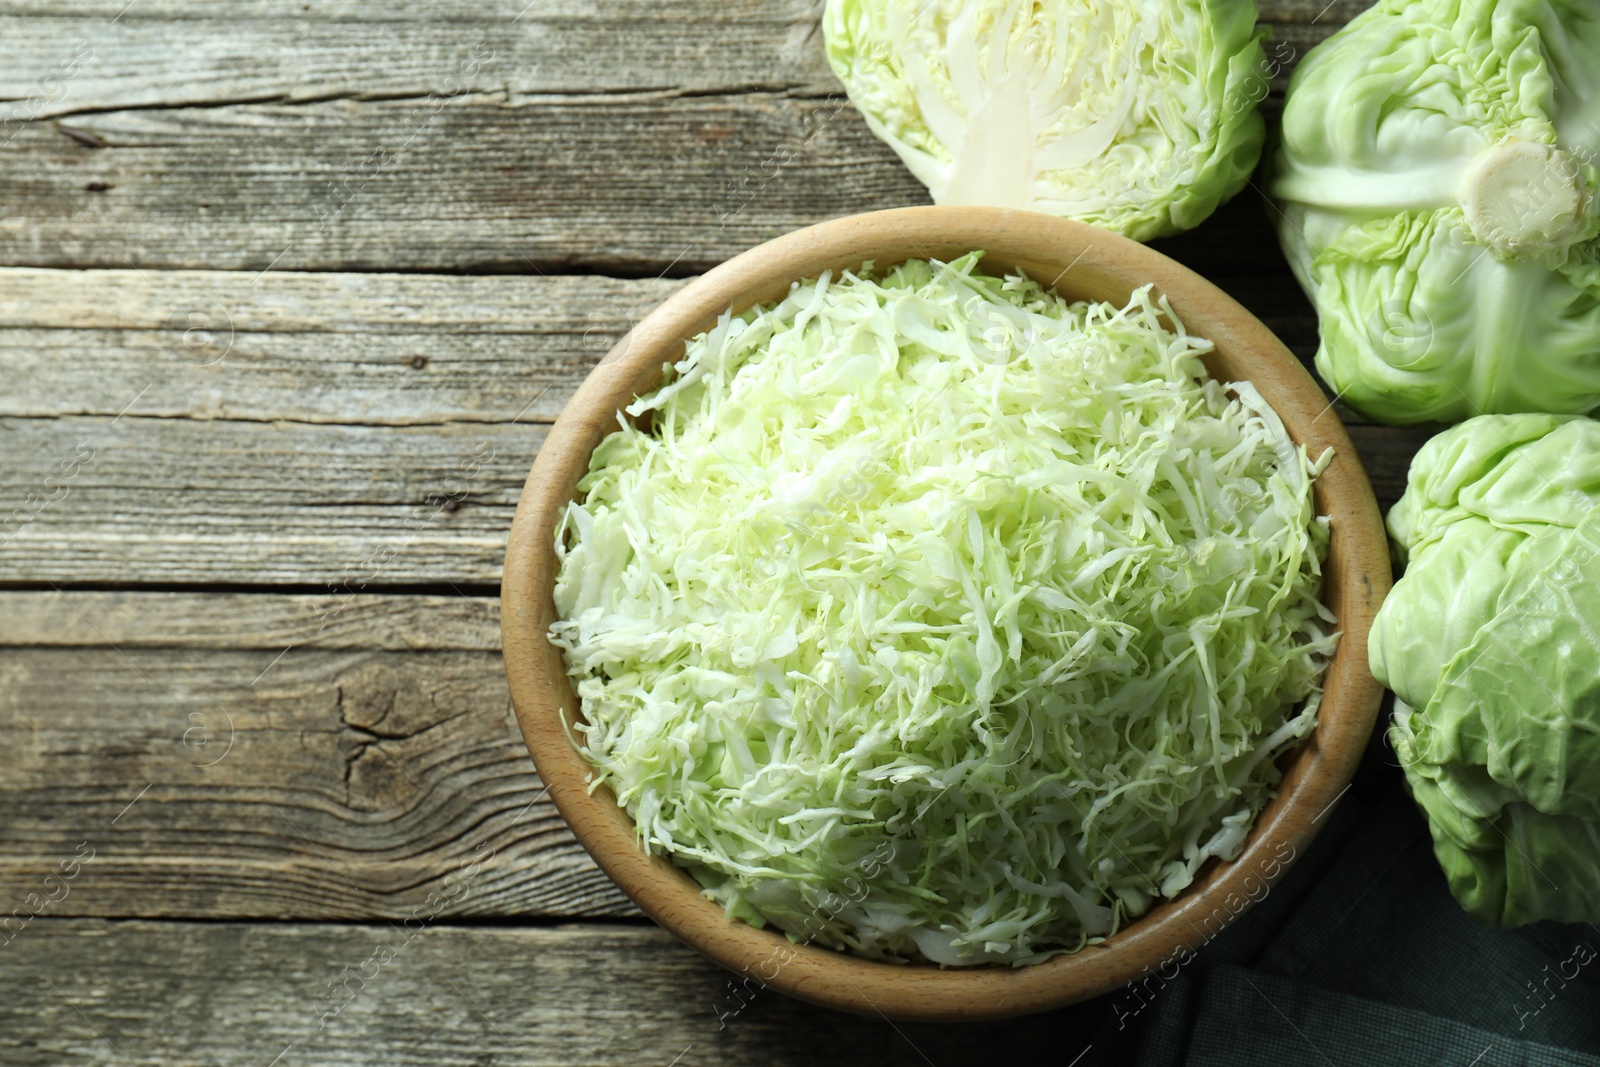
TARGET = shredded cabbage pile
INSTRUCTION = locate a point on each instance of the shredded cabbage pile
(926, 615)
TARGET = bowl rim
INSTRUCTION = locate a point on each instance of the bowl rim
(1101, 265)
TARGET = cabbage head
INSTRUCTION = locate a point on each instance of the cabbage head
(1437, 189)
(1491, 643)
(1135, 115)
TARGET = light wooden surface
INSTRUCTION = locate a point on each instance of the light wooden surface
(453, 240)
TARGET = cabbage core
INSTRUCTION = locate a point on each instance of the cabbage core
(1520, 196)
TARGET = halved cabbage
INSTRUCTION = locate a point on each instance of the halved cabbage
(1135, 115)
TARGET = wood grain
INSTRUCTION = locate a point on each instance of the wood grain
(391, 349)
(148, 993)
(545, 184)
(282, 52)
(186, 500)
(95, 13)
(349, 771)
(215, 620)
(1322, 14)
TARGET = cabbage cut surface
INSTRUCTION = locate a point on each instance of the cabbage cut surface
(1135, 115)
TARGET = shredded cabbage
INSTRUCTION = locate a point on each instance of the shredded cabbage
(927, 615)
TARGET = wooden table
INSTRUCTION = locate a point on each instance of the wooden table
(290, 292)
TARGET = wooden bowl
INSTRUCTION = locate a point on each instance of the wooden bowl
(1079, 262)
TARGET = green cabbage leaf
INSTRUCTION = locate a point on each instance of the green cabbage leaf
(1491, 642)
(1437, 193)
(927, 615)
(1135, 115)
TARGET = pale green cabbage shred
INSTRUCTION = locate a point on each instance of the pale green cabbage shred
(926, 615)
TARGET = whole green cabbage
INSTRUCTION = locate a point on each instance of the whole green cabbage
(1135, 115)
(1438, 195)
(1491, 643)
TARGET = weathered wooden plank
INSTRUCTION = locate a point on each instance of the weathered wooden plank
(295, 782)
(1386, 452)
(353, 348)
(554, 185)
(88, 619)
(630, 183)
(1325, 13)
(164, 993)
(278, 302)
(551, 185)
(320, 303)
(62, 65)
(184, 500)
(341, 376)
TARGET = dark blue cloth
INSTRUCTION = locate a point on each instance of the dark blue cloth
(1360, 957)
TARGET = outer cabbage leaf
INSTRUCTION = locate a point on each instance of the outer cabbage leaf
(1135, 115)
(1437, 195)
(1491, 642)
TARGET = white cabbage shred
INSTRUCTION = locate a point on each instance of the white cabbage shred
(926, 615)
